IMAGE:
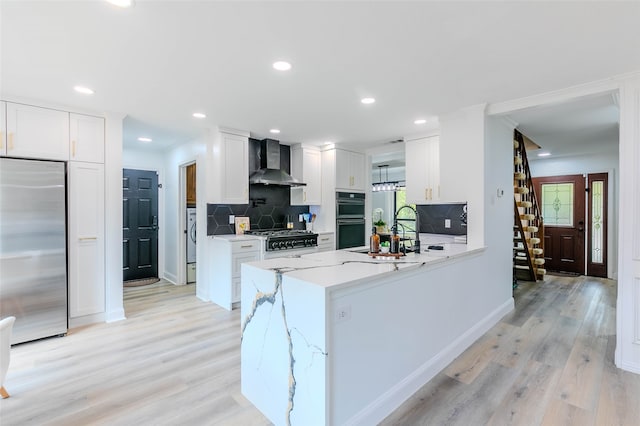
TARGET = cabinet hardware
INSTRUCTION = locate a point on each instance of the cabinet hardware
(10, 145)
(246, 246)
(87, 238)
(304, 195)
(324, 239)
(438, 191)
(73, 148)
(430, 194)
(426, 193)
(1, 139)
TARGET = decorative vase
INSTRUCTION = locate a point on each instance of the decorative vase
(380, 229)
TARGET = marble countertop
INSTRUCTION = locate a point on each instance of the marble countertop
(341, 267)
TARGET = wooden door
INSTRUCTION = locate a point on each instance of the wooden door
(191, 185)
(562, 201)
(139, 224)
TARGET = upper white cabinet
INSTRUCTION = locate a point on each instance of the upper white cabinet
(350, 170)
(34, 132)
(306, 165)
(422, 160)
(87, 138)
(3, 128)
(86, 239)
(230, 167)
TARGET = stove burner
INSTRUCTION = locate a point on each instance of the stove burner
(286, 239)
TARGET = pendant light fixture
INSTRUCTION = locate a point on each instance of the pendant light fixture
(385, 185)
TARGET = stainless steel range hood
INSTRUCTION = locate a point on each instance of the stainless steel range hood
(270, 172)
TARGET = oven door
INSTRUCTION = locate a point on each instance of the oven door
(349, 205)
(350, 233)
(289, 252)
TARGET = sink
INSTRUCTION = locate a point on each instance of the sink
(363, 251)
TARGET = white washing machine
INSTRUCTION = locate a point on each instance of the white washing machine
(191, 244)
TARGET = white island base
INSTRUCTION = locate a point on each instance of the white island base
(339, 338)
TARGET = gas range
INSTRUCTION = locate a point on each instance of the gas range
(286, 239)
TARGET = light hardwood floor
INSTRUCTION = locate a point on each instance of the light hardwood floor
(176, 360)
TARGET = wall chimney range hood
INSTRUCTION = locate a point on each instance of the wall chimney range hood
(270, 172)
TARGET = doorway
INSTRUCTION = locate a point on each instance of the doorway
(139, 224)
(573, 220)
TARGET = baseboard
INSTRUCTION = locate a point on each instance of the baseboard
(170, 277)
(629, 366)
(389, 401)
(86, 320)
(116, 315)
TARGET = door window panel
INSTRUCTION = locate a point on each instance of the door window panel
(596, 221)
(557, 204)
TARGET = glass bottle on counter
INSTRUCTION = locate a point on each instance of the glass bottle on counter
(374, 241)
(395, 241)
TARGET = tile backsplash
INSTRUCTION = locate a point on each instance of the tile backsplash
(433, 217)
(268, 208)
(268, 205)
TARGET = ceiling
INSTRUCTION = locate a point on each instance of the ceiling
(160, 61)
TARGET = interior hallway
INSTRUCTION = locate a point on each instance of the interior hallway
(176, 360)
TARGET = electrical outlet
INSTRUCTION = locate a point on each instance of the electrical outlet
(300, 218)
(447, 223)
(343, 313)
(232, 219)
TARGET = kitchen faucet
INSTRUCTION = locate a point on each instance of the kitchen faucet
(416, 245)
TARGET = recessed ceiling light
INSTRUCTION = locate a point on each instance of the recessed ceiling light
(544, 154)
(84, 90)
(282, 66)
(275, 131)
(199, 115)
(367, 101)
(121, 3)
(420, 121)
(143, 139)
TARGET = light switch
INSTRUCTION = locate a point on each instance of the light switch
(232, 219)
(447, 223)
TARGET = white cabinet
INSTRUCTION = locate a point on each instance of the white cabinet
(350, 170)
(422, 160)
(34, 132)
(3, 128)
(306, 165)
(86, 239)
(326, 241)
(230, 167)
(87, 138)
(228, 255)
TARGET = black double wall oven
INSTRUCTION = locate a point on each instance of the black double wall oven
(350, 223)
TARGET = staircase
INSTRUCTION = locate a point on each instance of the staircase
(528, 227)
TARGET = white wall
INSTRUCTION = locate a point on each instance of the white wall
(151, 161)
(175, 214)
(584, 164)
(462, 161)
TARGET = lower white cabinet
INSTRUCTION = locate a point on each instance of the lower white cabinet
(228, 255)
(326, 241)
(86, 239)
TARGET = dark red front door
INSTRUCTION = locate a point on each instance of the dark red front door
(562, 199)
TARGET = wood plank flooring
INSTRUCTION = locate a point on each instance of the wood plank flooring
(549, 362)
(176, 360)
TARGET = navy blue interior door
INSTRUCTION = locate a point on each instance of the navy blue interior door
(139, 224)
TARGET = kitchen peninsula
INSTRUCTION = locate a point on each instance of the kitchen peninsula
(341, 338)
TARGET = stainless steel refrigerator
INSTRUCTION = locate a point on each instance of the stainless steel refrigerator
(33, 247)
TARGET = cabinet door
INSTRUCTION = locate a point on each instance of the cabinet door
(422, 170)
(237, 260)
(34, 132)
(306, 167)
(86, 239)
(343, 169)
(3, 129)
(235, 177)
(357, 167)
(87, 138)
(191, 185)
(326, 242)
(416, 169)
